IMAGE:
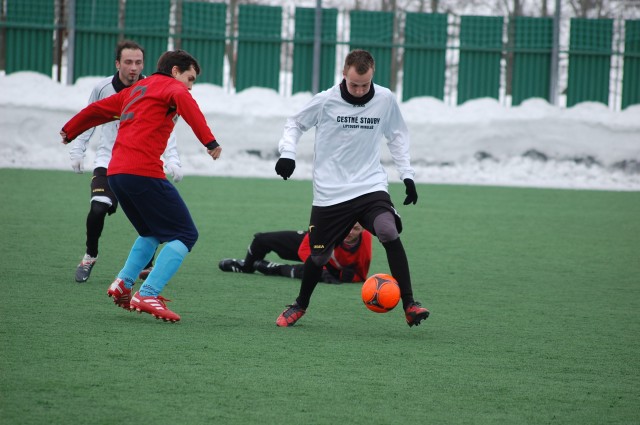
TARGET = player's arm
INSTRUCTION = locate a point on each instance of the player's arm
(397, 134)
(78, 149)
(188, 109)
(97, 113)
(294, 128)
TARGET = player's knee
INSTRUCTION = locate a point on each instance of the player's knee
(258, 243)
(385, 227)
(320, 259)
(99, 208)
(189, 239)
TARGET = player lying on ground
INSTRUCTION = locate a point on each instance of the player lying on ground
(349, 262)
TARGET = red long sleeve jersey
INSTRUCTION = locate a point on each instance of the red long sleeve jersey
(148, 111)
(359, 259)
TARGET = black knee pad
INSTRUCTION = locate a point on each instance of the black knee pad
(99, 208)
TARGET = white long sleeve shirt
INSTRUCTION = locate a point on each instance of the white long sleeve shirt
(104, 89)
(346, 162)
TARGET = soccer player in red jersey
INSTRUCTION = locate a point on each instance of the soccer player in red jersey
(148, 111)
(349, 261)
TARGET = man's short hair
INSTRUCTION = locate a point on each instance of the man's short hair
(179, 58)
(127, 44)
(361, 60)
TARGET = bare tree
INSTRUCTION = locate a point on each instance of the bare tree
(588, 8)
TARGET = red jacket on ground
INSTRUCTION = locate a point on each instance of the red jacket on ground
(357, 258)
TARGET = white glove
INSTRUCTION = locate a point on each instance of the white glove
(175, 171)
(77, 165)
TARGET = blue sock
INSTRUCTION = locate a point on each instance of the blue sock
(167, 264)
(141, 253)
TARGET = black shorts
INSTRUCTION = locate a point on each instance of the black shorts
(100, 187)
(329, 226)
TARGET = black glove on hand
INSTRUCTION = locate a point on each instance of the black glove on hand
(347, 275)
(285, 167)
(412, 194)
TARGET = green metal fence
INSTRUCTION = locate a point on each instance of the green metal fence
(631, 80)
(373, 31)
(303, 47)
(29, 41)
(148, 26)
(203, 34)
(443, 56)
(589, 61)
(96, 36)
(424, 55)
(480, 53)
(259, 46)
(532, 59)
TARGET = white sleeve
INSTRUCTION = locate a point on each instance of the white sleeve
(297, 124)
(399, 143)
(79, 144)
(171, 154)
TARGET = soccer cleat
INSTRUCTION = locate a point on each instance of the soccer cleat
(84, 268)
(267, 267)
(415, 313)
(121, 294)
(155, 306)
(145, 273)
(232, 265)
(290, 316)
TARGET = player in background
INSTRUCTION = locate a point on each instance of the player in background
(349, 182)
(349, 261)
(129, 64)
(148, 111)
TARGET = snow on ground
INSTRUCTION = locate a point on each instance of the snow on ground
(480, 142)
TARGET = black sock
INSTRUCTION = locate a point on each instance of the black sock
(95, 224)
(399, 266)
(310, 279)
(248, 263)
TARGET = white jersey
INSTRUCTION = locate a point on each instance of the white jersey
(346, 161)
(104, 89)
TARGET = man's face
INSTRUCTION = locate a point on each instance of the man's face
(358, 85)
(354, 234)
(187, 78)
(130, 65)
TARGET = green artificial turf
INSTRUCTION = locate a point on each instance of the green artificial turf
(534, 297)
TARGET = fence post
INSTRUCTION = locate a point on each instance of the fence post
(317, 45)
(555, 51)
(71, 39)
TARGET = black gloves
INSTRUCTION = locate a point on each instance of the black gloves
(412, 194)
(347, 275)
(285, 167)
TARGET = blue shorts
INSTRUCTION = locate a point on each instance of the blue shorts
(155, 208)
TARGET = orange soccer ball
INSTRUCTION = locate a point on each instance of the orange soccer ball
(380, 293)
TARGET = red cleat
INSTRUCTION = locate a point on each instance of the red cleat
(155, 306)
(290, 316)
(121, 294)
(415, 313)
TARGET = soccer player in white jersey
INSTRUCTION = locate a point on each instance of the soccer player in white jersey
(349, 182)
(129, 65)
